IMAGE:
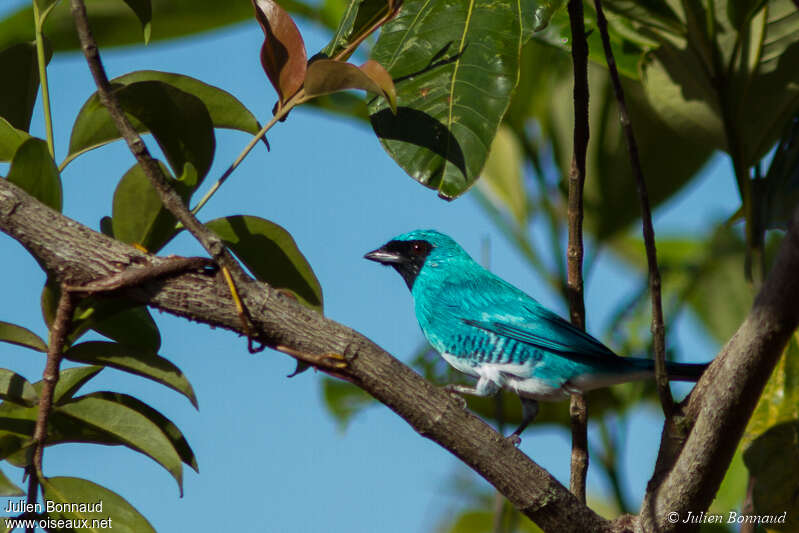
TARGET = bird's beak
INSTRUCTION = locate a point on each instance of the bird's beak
(383, 256)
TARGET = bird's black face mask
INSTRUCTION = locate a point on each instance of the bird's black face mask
(407, 257)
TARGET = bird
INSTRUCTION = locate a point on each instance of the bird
(489, 329)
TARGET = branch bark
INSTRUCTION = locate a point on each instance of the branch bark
(578, 409)
(657, 328)
(722, 402)
(76, 255)
(169, 197)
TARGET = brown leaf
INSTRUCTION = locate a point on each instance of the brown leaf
(381, 77)
(327, 76)
(283, 52)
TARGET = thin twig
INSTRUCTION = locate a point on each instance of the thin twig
(658, 330)
(39, 18)
(578, 408)
(55, 348)
(170, 199)
(33, 492)
(134, 276)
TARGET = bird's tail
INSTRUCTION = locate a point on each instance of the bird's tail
(676, 371)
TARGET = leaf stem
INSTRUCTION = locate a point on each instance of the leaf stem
(282, 112)
(39, 18)
(298, 98)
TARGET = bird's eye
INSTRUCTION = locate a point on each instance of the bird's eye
(417, 248)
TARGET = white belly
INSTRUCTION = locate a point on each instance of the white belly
(514, 377)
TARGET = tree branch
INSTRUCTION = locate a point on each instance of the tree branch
(658, 330)
(171, 200)
(76, 255)
(723, 400)
(578, 408)
(55, 348)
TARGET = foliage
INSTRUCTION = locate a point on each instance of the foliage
(456, 91)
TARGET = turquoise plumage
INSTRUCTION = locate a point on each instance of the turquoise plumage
(487, 328)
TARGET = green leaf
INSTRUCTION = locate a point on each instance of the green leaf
(116, 318)
(138, 216)
(16, 420)
(704, 88)
(779, 401)
(271, 254)
(145, 363)
(34, 171)
(681, 93)
(481, 521)
(20, 336)
(70, 381)
(668, 160)
(144, 11)
(10, 139)
(15, 388)
(628, 45)
(357, 19)
(773, 460)
(778, 191)
(129, 427)
(455, 66)
(133, 327)
(20, 80)
(544, 12)
(115, 511)
(93, 127)
(656, 21)
(17, 426)
(169, 429)
(769, 72)
(344, 400)
(178, 120)
(705, 274)
(502, 177)
(113, 24)
(733, 486)
(7, 488)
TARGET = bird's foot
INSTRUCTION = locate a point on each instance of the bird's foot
(454, 392)
(514, 439)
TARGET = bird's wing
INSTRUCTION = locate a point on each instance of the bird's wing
(557, 336)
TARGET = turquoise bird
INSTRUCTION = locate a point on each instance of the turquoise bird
(487, 328)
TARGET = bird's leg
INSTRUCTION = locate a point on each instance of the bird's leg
(484, 387)
(529, 412)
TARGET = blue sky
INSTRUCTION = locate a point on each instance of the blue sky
(271, 458)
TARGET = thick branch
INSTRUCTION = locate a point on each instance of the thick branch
(723, 400)
(75, 255)
(578, 408)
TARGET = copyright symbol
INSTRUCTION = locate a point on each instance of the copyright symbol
(673, 517)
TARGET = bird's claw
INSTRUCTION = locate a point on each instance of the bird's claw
(514, 439)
